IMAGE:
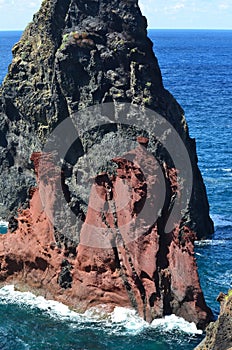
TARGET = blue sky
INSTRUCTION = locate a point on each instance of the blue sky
(208, 14)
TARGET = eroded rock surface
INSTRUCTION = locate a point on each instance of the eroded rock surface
(153, 272)
(76, 54)
(219, 333)
(73, 55)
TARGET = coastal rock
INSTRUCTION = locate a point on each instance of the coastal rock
(154, 273)
(74, 55)
(219, 333)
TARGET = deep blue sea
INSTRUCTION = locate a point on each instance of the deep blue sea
(196, 66)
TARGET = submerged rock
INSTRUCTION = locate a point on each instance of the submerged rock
(74, 55)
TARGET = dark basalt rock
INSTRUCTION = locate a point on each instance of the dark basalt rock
(73, 55)
(65, 276)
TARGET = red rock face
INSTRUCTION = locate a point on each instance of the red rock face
(123, 258)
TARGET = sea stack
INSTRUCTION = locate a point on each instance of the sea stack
(74, 56)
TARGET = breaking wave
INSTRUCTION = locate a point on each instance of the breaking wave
(121, 320)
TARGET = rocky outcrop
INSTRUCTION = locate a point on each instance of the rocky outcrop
(73, 55)
(219, 333)
(108, 243)
(154, 273)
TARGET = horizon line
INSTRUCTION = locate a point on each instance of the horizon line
(224, 29)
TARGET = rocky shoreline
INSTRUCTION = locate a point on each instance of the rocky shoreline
(219, 333)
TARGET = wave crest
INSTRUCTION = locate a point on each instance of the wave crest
(121, 320)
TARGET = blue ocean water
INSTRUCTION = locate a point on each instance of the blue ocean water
(196, 68)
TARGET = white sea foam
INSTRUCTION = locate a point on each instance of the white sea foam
(3, 223)
(8, 294)
(227, 170)
(121, 320)
(3, 226)
(211, 242)
(131, 321)
(173, 322)
(128, 319)
(210, 170)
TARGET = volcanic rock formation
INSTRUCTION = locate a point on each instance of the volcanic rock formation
(74, 55)
(219, 333)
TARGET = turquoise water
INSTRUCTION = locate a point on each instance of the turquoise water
(196, 68)
(28, 322)
(3, 228)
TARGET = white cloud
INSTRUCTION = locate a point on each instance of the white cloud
(15, 14)
(223, 6)
(170, 9)
(178, 6)
(32, 4)
(188, 13)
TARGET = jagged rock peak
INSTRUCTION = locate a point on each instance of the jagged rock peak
(73, 55)
(74, 43)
